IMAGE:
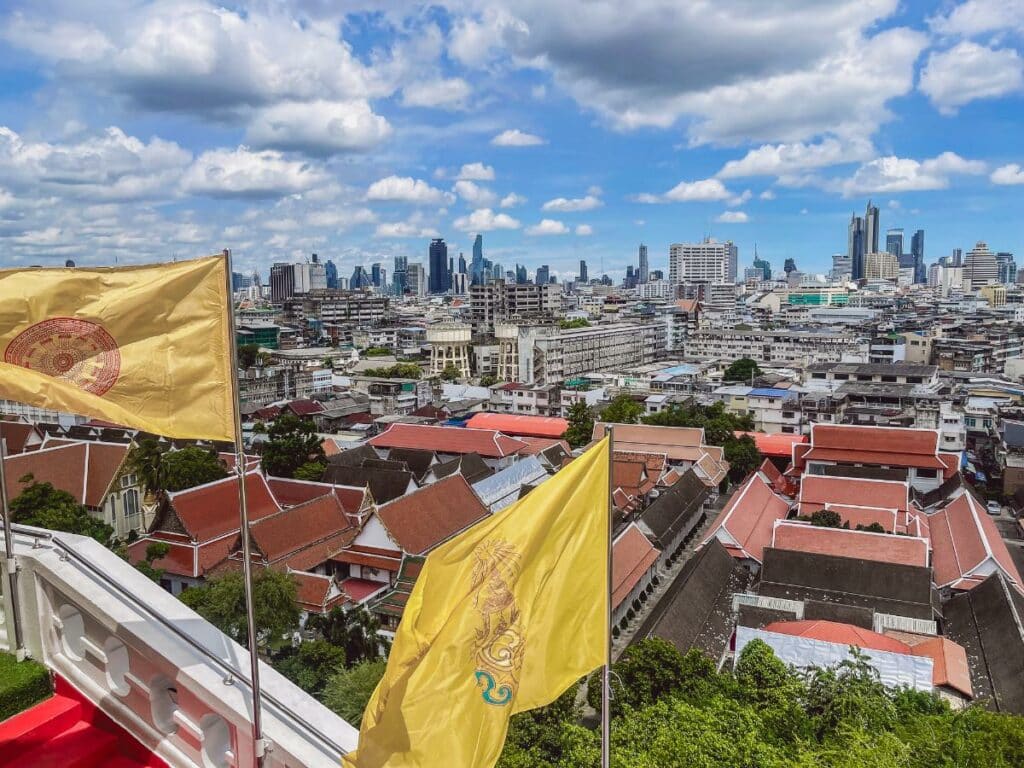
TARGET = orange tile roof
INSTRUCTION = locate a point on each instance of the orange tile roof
(677, 443)
(842, 634)
(518, 425)
(964, 538)
(874, 458)
(421, 520)
(84, 469)
(778, 445)
(295, 528)
(949, 663)
(632, 556)
(818, 490)
(922, 442)
(840, 542)
(535, 445)
(746, 523)
(488, 443)
(316, 593)
(212, 510)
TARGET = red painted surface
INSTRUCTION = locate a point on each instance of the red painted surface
(67, 731)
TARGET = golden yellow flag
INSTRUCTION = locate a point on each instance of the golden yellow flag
(503, 618)
(145, 347)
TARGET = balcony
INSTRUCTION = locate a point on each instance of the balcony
(163, 674)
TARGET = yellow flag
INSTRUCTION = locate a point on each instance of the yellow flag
(145, 347)
(503, 618)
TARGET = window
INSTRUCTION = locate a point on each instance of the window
(127, 481)
(927, 473)
(889, 379)
(817, 375)
(131, 503)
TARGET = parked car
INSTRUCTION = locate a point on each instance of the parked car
(994, 508)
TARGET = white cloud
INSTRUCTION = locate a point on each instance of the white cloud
(485, 220)
(698, 191)
(733, 217)
(474, 194)
(548, 227)
(783, 159)
(1008, 174)
(475, 42)
(647, 198)
(407, 190)
(438, 94)
(583, 230)
(768, 194)
(977, 17)
(739, 199)
(476, 172)
(511, 200)
(404, 229)
(318, 127)
(244, 173)
(899, 174)
(570, 205)
(516, 138)
(968, 72)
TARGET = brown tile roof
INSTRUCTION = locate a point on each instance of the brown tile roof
(949, 663)
(535, 445)
(304, 407)
(486, 442)
(316, 593)
(83, 469)
(290, 492)
(632, 556)
(964, 539)
(890, 446)
(420, 521)
(209, 511)
(285, 533)
(818, 490)
(839, 542)
(19, 436)
(676, 443)
(746, 523)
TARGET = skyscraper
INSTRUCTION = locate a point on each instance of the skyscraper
(462, 264)
(630, 277)
(894, 243)
(399, 276)
(1007, 268)
(789, 266)
(917, 249)
(980, 267)
(331, 272)
(438, 264)
(543, 276)
(583, 272)
(476, 271)
(871, 229)
(855, 247)
(521, 274)
(708, 262)
(764, 266)
(282, 281)
(360, 278)
(644, 273)
(375, 274)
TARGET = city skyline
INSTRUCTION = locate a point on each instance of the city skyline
(123, 139)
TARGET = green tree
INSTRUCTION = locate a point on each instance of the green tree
(42, 505)
(311, 665)
(376, 352)
(348, 691)
(189, 467)
(146, 460)
(311, 470)
(488, 380)
(537, 737)
(581, 424)
(355, 630)
(742, 455)
(450, 373)
(248, 355)
(623, 409)
(221, 601)
(646, 671)
(826, 518)
(155, 550)
(396, 371)
(743, 370)
(578, 322)
(292, 443)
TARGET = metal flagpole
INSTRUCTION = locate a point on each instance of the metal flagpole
(12, 563)
(250, 615)
(606, 673)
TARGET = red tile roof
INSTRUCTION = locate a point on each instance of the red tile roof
(842, 634)
(677, 443)
(949, 663)
(84, 469)
(779, 482)
(488, 443)
(360, 589)
(745, 525)
(862, 545)
(892, 446)
(316, 593)
(778, 445)
(211, 510)
(296, 528)
(633, 555)
(19, 436)
(873, 458)
(966, 542)
(304, 407)
(818, 490)
(535, 445)
(420, 521)
(290, 492)
(512, 424)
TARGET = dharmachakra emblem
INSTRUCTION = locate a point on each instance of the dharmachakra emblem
(499, 642)
(78, 351)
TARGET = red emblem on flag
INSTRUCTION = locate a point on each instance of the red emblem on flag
(78, 351)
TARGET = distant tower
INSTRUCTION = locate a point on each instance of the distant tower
(917, 249)
(583, 272)
(855, 248)
(438, 264)
(462, 264)
(871, 229)
(644, 273)
(476, 270)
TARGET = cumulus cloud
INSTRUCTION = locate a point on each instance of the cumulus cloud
(978, 17)
(967, 72)
(1008, 174)
(474, 194)
(318, 127)
(548, 227)
(242, 172)
(732, 217)
(406, 189)
(485, 220)
(768, 194)
(899, 174)
(571, 205)
(476, 172)
(583, 230)
(511, 200)
(698, 191)
(795, 157)
(516, 138)
(438, 94)
(404, 229)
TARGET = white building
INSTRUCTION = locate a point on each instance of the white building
(709, 261)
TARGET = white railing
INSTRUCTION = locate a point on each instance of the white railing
(884, 621)
(774, 603)
(154, 666)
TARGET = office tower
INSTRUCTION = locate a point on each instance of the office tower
(881, 266)
(521, 278)
(842, 267)
(657, 274)
(477, 265)
(316, 274)
(894, 242)
(236, 281)
(331, 272)
(764, 266)
(460, 283)
(855, 247)
(282, 282)
(708, 261)
(1007, 267)
(375, 274)
(643, 274)
(980, 267)
(958, 257)
(399, 276)
(462, 264)
(871, 229)
(583, 273)
(438, 265)
(360, 279)
(917, 249)
(543, 276)
(789, 266)
(416, 278)
(630, 281)
(497, 272)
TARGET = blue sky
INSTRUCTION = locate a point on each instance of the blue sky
(139, 131)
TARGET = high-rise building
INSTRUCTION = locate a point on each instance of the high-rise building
(644, 273)
(789, 266)
(980, 267)
(1007, 268)
(462, 264)
(842, 266)
(400, 276)
(438, 264)
(543, 276)
(894, 243)
(871, 229)
(476, 271)
(331, 273)
(416, 278)
(375, 274)
(917, 249)
(958, 257)
(583, 273)
(855, 247)
(630, 281)
(360, 278)
(709, 261)
(316, 275)
(881, 266)
(764, 266)
(657, 274)
(521, 278)
(282, 281)
(236, 281)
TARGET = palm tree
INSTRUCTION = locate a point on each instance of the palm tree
(147, 461)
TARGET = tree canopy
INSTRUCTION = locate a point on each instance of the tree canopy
(450, 372)
(581, 424)
(355, 630)
(311, 665)
(221, 601)
(396, 371)
(189, 467)
(720, 427)
(293, 443)
(348, 691)
(743, 369)
(42, 505)
(623, 409)
(579, 322)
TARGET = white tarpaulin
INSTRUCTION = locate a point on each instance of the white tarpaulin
(895, 669)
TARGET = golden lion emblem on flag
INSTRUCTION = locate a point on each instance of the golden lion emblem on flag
(76, 350)
(498, 644)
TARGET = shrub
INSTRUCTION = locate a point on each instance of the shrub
(22, 684)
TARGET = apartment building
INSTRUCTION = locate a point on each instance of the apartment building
(551, 355)
(778, 347)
